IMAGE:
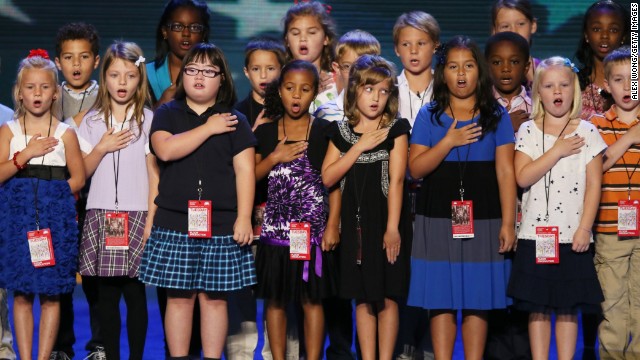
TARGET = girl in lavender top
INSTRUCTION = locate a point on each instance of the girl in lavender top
(120, 204)
(290, 153)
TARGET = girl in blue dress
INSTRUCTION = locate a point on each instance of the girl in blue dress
(462, 145)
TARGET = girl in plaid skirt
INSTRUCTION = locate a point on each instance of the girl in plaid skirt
(120, 204)
(197, 246)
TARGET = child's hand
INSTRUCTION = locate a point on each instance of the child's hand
(465, 135)
(326, 81)
(518, 117)
(507, 239)
(113, 141)
(168, 94)
(147, 231)
(568, 146)
(39, 146)
(581, 240)
(391, 243)
(242, 231)
(372, 139)
(331, 238)
(288, 152)
(221, 123)
(260, 120)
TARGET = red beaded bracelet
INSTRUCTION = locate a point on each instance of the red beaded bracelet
(15, 161)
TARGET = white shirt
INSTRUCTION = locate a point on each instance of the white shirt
(410, 102)
(567, 182)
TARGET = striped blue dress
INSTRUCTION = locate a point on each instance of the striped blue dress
(448, 273)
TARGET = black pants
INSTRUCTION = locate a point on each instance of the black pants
(111, 290)
(507, 335)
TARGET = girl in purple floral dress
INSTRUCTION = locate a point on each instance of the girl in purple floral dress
(295, 254)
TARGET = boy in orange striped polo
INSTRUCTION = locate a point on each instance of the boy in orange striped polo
(617, 241)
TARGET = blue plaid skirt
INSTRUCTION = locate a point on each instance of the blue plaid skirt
(172, 259)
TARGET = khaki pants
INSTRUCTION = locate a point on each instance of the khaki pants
(618, 265)
(6, 340)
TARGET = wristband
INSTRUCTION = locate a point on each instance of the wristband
(15, 161)
(585, 229)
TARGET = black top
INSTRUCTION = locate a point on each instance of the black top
(212, 162)
(267, 135)
(250, 108)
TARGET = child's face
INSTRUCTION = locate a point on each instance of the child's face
(556, 90)
(263, 68)
(122, 78)
(201, 89)
(37, 91)
(514, 21)
(343, 65)
(297, 92)
(77, 62)
(306, 38)
(415, 49)
(618, 83)
(372, 100)
(181, 41)
(604, 32)
(508, 68)
(461, 73)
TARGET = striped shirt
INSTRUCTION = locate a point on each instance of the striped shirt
(616, 181)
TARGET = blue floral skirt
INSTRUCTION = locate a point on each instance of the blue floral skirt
(57, 212)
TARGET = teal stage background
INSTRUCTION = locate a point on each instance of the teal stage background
(32, 24)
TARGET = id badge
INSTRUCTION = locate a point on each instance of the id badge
(116, 230)
(628, 218)
(258, 219)
(547, 245)
(462, 219)
(199, 214)
(41, 248)
(299, 241)
(518, 214)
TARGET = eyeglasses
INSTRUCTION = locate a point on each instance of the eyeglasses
(193, 28)
(345, 67)
(210, 73)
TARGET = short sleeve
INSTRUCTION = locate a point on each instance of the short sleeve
(333, 133)
(401, 127)
(504, 131)
(421, 132)
(162, 120)
(267, 137)
(85, 146)
(318, 142)
(243, 137)
(525, 141)
(594, 143)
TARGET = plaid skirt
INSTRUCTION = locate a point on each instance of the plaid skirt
(97, 260)
(173, 260)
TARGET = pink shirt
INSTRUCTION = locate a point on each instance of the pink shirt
(133, 181)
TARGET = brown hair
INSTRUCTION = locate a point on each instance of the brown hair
(371, 70)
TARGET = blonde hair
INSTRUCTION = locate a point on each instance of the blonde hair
(358, 41)
(418, 20)
(371, 70)
(556, 61)
(36, 62)
(127, 51)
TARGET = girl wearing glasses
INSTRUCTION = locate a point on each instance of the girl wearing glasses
(197, 248)
(183, 24)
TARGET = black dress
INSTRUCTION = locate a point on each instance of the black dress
(367, 184)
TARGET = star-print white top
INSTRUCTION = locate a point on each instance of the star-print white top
(566, 185)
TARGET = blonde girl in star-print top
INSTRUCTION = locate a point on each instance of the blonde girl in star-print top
(558, 163)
